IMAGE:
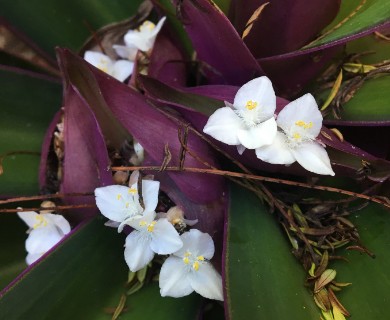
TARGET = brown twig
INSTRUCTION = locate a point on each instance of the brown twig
(56, 208)
(44, 197)
(260, 178)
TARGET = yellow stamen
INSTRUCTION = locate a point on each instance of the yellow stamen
(133, 190)
(303, 124)
(41, 222)
(250, 105)
(195, 265)
(151, 226)
(200, 258)
(102, 65)
(143, 223)
(127, 205)
(186, 260)
(147, 25)
(187, 254)
(297, 136)
(119, 196)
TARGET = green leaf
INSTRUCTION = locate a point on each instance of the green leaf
(12, 252)
(370, 102)
(366, 298)
(64, 22)
(170, 95)
(27, 105)
(373, 13)
(263, 278)
(84, 277)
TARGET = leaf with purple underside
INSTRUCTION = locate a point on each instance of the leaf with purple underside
(167, 60)
(283, 26)
(151, 128)
(197, 107)
(228, 60)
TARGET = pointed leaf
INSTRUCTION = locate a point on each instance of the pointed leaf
(217, 43)
(293, 23)
(87, 271)
(144, 123)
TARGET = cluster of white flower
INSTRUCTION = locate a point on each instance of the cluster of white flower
(141, 39)
(291, 136)
(45, 231)
(187, 268)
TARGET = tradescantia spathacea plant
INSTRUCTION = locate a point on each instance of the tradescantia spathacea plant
(203, 151)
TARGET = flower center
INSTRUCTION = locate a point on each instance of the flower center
(103, 65)
(147, 26)
(41, 222)
(298, 133)
(192, 260)
(129, 202)
(250, 105)
(149, 226)
(303, 124)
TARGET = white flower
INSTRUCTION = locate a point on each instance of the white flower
(139, 154)
(149, 237)
(300, 122)
(46, 230)
(188, 269)
(249, 122)
(121, 204)
(120, 69)
(140, 39)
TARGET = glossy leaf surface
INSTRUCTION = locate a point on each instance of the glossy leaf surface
(262, 277)
(84, 276)
(366, 298)
(64, 22)
(27, 105)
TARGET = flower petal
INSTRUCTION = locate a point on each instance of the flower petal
(276, 153)
(261, 135)
(198, 243)
(126, 52)
(207, 282)
(98, 60)
(29, 217)
(165, 239)
(173, 279)
(42, 239)
(32, 257)
(304, 109)
(150, 194)
(59, 221)
(259, 90)
(108, 203)
(144, 39)
(137, 252)
(122, 69)
(134, 222)
(313, 157)
(223, 125)
(240, 149)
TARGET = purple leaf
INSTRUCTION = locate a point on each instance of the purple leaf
(290, 75)
(217, 43)
(283, 26)
(167, 61)
(197, 109)
(152, 129)
(86, 161)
